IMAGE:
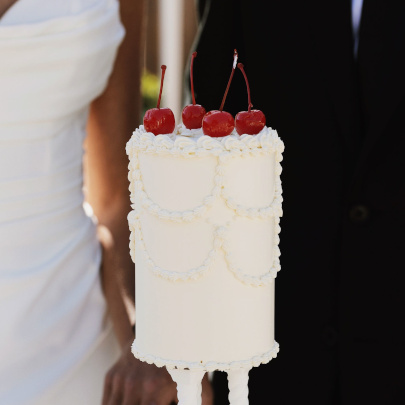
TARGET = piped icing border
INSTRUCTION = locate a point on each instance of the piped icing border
(266, 142)
(220, 245)
(210, 365)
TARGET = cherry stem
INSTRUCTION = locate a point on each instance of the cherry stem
(163, 67)
(240, 66)
(191, 76)
(235, 58)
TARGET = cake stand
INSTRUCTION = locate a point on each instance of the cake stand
(189, 386)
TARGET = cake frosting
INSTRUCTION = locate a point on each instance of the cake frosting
(204, 238)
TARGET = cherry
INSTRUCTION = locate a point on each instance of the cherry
(193, 114)
(218, 123)
(249, 122)
(159, 120)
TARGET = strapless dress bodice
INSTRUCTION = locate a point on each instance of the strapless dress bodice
(55, 58)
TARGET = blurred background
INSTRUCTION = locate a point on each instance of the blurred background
(171, 29)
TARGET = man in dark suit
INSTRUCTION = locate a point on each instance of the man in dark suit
(341, 115)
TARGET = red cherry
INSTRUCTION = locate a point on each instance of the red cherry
(193, 114)
(159, 120)
(249, 122)
(219, 123)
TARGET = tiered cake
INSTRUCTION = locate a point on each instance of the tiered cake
(204, 238)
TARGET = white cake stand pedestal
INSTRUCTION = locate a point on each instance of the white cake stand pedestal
(189, 386)
(238, 386)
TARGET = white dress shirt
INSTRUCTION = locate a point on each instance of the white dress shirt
(357, 6)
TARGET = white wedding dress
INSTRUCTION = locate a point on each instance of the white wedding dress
(56, 342)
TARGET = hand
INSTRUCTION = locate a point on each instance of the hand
(133, 382)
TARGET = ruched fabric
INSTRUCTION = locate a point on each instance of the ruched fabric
(55, 58)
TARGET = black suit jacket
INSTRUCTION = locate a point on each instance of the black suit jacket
(339, 295)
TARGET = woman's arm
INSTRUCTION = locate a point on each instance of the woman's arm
(113, 116)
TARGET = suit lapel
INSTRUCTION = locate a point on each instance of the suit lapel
(332, 34)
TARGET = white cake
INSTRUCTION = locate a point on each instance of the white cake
(204, 238)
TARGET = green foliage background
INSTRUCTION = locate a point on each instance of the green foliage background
(150, 90)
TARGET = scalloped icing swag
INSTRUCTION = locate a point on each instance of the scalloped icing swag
(266, 142)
